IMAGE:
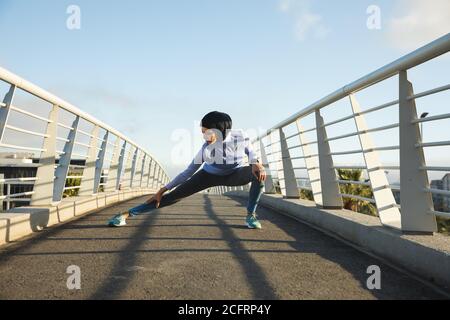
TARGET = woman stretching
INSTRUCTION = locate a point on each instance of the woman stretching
(222, 162)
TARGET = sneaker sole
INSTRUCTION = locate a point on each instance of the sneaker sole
(116, 225)
(250, 227)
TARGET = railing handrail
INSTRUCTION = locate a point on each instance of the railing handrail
(37, 91)
(415, 58)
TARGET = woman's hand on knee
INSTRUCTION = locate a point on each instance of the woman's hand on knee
(259, 172)
(157, 197)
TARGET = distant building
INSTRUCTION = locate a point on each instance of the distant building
(21, 165)
(16, 165)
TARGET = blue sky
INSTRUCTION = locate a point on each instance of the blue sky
(151, 67)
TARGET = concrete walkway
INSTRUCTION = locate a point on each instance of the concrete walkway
(197, 249)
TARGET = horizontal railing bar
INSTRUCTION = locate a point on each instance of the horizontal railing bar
(433, 118)
(308, 130)
(390, 126)
(273, 153)
(65, 126)
(429, 92)
(393, 205)
(307, 143)
(291, 136)
(441, 214)
(294, 147)
(72, 188)
(11, 196)
(382, 148)
(18, 183)
(62, 139)
(17, 109)
(338, 121)
(435, 168)
(300, 168)
(27, 131)
(380, 107)
(77, 166)
(350, 167)
(340, 153)
(11, 146)
(82, 144)
(348, 135)
(17, 180)
(362, 183)
(433, 144)
(85, 133)
(303, 157)
(385, 168)
(344, 195)
(74, 177)
(438, 191)
(80, 155)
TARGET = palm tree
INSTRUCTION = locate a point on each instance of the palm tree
(356, 205)
(306, 194)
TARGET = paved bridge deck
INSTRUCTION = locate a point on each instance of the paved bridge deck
(197, 249)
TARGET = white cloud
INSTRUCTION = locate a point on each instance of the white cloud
(307, 23)
(417, 22)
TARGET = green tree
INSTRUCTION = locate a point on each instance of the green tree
(356, 205)
(306, 194)
(72, 182)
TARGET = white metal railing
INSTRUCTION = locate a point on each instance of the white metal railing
(56, 166)
(416, 211)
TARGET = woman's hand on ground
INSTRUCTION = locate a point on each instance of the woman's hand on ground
(157, 197)
(259, 172)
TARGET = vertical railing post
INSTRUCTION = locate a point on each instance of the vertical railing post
(64, 163)
(312, 165)
(160, 177)
(330, 188)
(126, 181)
(100, 162)
(154, 172)
(5, 110)
(111, 183)
(133, 167)
(143, 170)
(45, 175)
(416, 202)
(157, 177)
(87, 181)
(288, 181)
(149, 177)
(382, 193)
(120, 171)
(268, 184)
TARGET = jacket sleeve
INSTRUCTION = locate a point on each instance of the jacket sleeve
(188, 173)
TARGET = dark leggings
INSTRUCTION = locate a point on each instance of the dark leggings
(203, 180)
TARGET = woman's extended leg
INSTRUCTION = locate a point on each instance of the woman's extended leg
(200, 181)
